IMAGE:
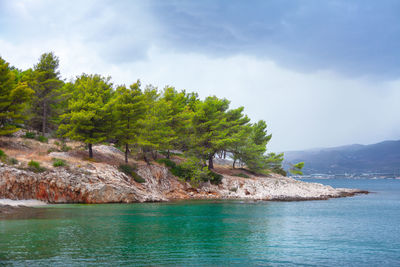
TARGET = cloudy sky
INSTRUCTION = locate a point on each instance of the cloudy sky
(320, 73)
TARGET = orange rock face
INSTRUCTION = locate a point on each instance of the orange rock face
(101, 184)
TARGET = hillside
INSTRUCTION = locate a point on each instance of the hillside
(383, 157)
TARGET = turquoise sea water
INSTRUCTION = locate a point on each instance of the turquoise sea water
(357, 231)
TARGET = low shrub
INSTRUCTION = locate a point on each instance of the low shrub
(59, 163)
(167, 162)
(131, 171)
(30, 135)
(13, 161)
(42, 139)
(138, 178)
(177, 170)
(35, 166)
(65, 148)
(243, 175)
(192, 170)
(127, 169)
(216, 178)
(2, 154)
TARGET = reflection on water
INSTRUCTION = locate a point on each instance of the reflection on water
(362, 230)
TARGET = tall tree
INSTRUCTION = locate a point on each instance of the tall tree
(130, 108)
(45, 81)
(155, 132)
(89, 118)
(251, 147)
(177, 114)
(13, 98)
(215, 127)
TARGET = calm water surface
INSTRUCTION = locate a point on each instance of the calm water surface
(358, 231)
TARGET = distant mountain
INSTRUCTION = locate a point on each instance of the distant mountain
(382, 157)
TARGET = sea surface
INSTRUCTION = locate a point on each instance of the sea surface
(357, 231)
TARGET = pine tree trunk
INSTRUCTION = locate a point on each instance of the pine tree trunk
(233, 164)
(210, 163)
(126, 153)
(224, 154)
(90, 151)
(126, 145)
(146, 159)
(44, 119)
(168, 154)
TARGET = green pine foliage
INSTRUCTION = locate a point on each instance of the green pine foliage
(295, 169)
(210, 128)
(92, 110)
(14, 96)
(129, 109)
(46, 82)
(89, 118)
(191, 170)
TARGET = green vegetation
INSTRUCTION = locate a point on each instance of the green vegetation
(192, 171)
(295, 169)
(148, 121)
(89, 116)
(59, 162)
(30, 135)
(131, 171)
(46, 83)
(4, 158)
(12, 161)
(35, 166)
(42, 139)
(14, 97)
(243, 175)
(129, 107)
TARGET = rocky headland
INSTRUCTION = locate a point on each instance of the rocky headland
(101, 181)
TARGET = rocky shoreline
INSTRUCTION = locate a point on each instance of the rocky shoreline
(103, 183)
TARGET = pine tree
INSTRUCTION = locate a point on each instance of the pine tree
(155, 133)
(89, 118)
(215, 127)
(251, 146)
(177, 116)
(296, 169)
(274, 163)
(129, 107)
(45, 81)
(13, 98)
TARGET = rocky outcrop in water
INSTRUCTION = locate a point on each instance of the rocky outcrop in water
(99, 183)
(102, 183)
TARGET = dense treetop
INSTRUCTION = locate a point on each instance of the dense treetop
(144, 121)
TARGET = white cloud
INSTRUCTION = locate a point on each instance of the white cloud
(303, 110)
